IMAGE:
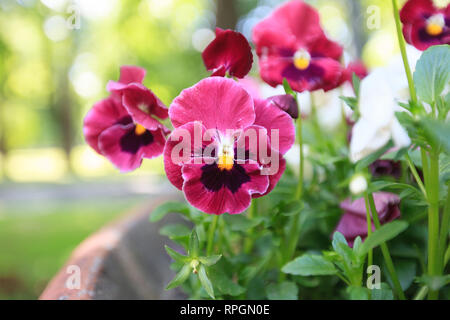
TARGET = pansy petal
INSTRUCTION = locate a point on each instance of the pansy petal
(219, 103)
(292, 20)
(186, 142)
(416, 10)
(277, 122)
(323, 73)
(103, 114)
(285, 102)
(112, 142)
(353, 223)
(323, 44)
(142, 104)
(204, 191)
(229, 51)
(128, 74)
(273, 178)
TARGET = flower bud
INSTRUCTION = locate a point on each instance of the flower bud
(358, 184)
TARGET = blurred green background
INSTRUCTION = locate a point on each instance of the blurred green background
(56, 57)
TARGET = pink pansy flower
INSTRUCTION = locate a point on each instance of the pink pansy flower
(224, 169)
(353, 222)
(291, 44)
(112, 130)
(424, 25)
(228, 52)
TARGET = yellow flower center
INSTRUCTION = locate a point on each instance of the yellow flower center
(435, 25)
(140, 129)
(225, 162)
(302, 59)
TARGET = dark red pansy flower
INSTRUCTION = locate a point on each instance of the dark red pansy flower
(228, 52)
(291, 44)
(112, 130)
(353, 222)
(424, 25)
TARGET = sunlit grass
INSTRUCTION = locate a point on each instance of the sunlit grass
(35, 242)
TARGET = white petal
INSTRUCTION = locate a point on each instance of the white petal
(377, 101)
(399, 135)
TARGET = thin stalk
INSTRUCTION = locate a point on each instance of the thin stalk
(299, 191)
(369, 229)
(415, 174)
(433, 220)
(445, 226)
(294, 230)
(402, 45)
(385, 251)
(211, 232)
(248, 246)
(422, 293)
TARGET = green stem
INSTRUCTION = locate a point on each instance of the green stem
(445, 226)
(415, 174)
(299, 191)
(211, 232)
(402, 45)
(248, 246)
(385, 251)
(294, 230)
(422, 293)
(433, 220)
(369, 229)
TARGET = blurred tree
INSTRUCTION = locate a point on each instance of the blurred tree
(226, 15)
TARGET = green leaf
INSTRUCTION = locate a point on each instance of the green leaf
(341, 247)
(357, 244)
(352, 102)
(338, 238)
(211, 260)
(383, 234)
(282, 291)
(225, 285)
(356, 83)
(180, 277)
(365, 162)
(384, 293)
(309, 265)
(287, 88)
(434, 282)
(193, 245)
(204, 280)
(432, 73)
(178, 257)
(241, 222)
(437, 132)
(168, 207)
(175, 231)
(381, 184)
(358, 293)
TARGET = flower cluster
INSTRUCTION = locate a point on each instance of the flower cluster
(124, 127)
(233, 141)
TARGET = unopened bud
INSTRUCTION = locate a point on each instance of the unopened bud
(358, 184)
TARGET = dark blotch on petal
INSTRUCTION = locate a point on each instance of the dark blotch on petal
(131, 142)
(214, 179)
(312, 75)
